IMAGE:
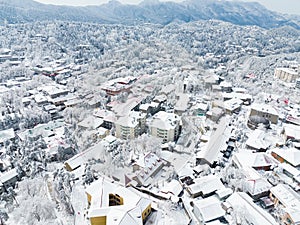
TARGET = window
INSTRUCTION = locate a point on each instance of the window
(115, 199)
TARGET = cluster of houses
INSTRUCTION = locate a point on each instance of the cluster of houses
(259, 139)
(266, 155)
(14, 58)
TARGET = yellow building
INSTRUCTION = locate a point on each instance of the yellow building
(113, 204)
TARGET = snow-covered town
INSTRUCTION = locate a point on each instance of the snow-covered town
(184, 124)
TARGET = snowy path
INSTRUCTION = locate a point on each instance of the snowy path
(79, 203)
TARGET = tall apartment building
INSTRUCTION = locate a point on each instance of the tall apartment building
(166, 126)
(287, 74)
(131, 126)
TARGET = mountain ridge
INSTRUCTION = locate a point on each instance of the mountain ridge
(240, 13)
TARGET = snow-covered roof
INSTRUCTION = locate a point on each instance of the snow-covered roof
(257, 159)
(257, 140)
(6, 135)
(211, 78)
(110, 139)
(238, 95)
(40, 98)
(257, 186)
(128, 213)
(264, 108)
(53, 89)
(222, 193)
(123, 109)
(216, 142)
(165, 121)
(8, 175)
(253, 213)
(173, 187)
(160, 98)
(287, 196)
(44, 130)
(294, 214)
(102, 130)
(202, 106)
(291, 155)
(106, 115)
(72, 102)
(239, 90)
(209, 209)
(131, 120)
(289, 168)
(226, 84)
(95, 152)
(91, 122)
(292, 131)
(182, 103)
(205, 185)
(145, 106)
(150, 164)
(167, 89)
(233, 104)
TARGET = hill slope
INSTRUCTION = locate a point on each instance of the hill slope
(240, 13)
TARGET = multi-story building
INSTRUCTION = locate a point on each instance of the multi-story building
(287, 74)
(110, 203)
(166, 126)
(129, 127)
(266, 111)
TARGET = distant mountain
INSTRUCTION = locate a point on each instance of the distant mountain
(152, 11)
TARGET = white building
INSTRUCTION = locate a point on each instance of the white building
(286, 74)
(165, 126)
(129, 127)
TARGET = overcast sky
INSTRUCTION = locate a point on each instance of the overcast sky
(284, 6)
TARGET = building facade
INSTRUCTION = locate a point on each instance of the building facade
(265, 111)
(286, 74)
(131, 126)
(166, 126)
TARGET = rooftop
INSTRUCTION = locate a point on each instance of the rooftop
(206, 185)
(255, 160)
(291, 155)
(128, 213)
(91, 122)
(264, 108)
(292, 131)
(287, 196)
(254, 214)
(164, 120)
(6, 135)
(257, 140)
(209, 208)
